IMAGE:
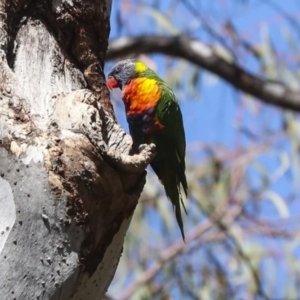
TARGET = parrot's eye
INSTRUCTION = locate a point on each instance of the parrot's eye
(119, 68)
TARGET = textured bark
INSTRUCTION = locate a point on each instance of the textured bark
(207, 57)
(68, 184)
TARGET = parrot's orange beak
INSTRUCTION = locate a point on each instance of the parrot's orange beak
(112, 83)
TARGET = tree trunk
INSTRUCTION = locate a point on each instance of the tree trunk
(68, 185)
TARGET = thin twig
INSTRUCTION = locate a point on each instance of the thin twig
(168, 254)
(180, 246)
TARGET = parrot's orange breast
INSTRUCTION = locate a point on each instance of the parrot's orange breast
(140, 94)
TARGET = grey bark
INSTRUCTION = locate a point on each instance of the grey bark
(68, 184)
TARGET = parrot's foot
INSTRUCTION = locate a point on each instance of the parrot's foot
(147, 148)
(136, 163)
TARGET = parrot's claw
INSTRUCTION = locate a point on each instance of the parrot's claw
(147, 147)
(136, 163)
(148, 151)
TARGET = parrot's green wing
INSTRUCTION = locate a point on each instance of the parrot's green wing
(169, 114)
(169, 163)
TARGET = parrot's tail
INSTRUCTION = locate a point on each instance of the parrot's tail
(171, 183)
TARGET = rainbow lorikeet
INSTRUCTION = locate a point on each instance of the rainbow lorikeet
(154, 116)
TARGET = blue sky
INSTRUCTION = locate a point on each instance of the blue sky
(211, 116)
(216, 111)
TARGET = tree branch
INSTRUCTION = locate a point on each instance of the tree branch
(206, 57)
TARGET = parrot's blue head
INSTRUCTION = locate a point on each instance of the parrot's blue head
(122, 73)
